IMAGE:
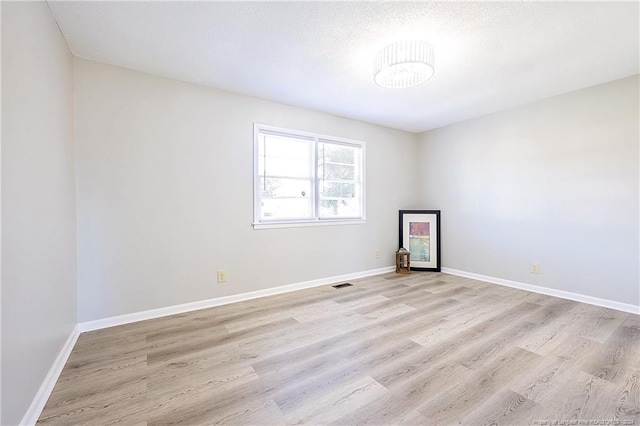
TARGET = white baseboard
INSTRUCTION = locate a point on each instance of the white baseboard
(41, 398)
(619, 306)
(209, 303)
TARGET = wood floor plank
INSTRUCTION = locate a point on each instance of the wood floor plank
(482, 352)
(582, 396)
(486, 327)
(406, 395)
(547, 379)
(503, 408)
(628, 404)
(425, 348)
(359, 337)
(453, 405)
(205, 404)
(338, 403)
(316, 386)
(111, 403)
(615, 360)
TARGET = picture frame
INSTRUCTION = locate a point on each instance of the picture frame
(420, 234)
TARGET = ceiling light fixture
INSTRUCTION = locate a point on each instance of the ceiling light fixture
(404, 64)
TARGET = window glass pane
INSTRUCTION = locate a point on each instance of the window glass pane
(286, 147)
(340, 208)
(284, 156)
(286, 208)
(285, 167)
(338, 153)
(285, 188)
(336, 172)
(337, 162)
(338, 189)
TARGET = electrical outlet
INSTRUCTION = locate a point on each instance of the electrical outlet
(535, 268)
(377, 253)
(222, 276)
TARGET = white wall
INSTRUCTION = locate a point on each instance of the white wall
(165, 194)
(38, 202)
(553, 182)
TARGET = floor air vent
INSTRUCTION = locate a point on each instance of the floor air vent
(342, 285)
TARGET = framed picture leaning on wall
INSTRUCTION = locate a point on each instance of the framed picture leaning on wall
(420, 234)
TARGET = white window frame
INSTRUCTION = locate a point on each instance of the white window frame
(259, 223)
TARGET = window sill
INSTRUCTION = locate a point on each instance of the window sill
(304, 224)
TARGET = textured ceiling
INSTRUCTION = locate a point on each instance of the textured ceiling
(489, 56)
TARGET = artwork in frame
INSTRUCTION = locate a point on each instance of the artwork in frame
(420, 234)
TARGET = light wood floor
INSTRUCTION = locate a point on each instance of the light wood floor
(425, 348)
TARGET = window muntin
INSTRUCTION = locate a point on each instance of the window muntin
(305, 178)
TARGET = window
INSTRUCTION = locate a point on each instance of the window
(306, 179)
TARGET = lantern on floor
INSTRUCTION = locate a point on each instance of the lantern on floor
(403, 262)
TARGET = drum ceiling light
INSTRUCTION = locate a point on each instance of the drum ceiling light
(404, 64)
